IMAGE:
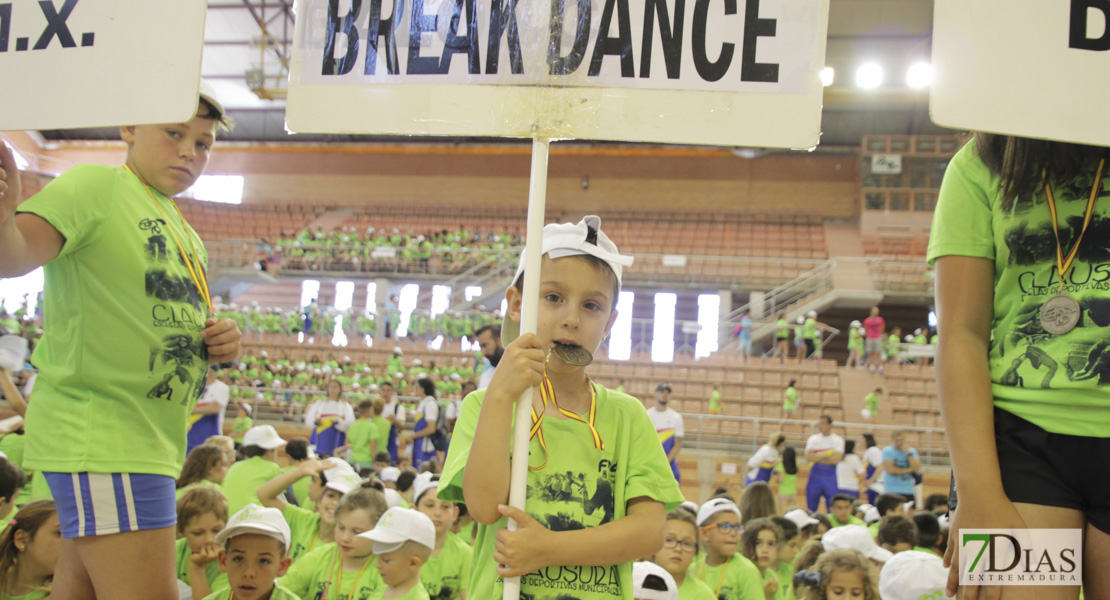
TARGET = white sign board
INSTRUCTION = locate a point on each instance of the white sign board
(886, 164)
(1039, 70)
(674, 260)
(726, 72)
(728, 468)
(99, 63)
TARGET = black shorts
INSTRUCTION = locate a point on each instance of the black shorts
(1053, 469)
(810, 347)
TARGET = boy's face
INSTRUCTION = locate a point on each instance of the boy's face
(201, 530)
(171, 156)
(252, 562)
(398, 566)
(677, 558)
(442, 513)
(722, 541)
(789, 550)
(378, 466)
(842, 509)
(576, 304)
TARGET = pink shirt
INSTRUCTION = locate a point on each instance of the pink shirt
(874, 327)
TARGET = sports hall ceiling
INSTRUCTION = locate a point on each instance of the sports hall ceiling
(897, 33)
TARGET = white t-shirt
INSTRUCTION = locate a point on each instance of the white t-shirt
(849, 471)
(216, 392)
(429, 409)
(453, 408)
(820, 442)
(338, 409)
(666, 420)
(874, 456)
(765, 454)
(486, 376)
(395, 410)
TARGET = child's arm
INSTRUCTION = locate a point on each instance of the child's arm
(533, 546)
(198, 569)
(11, 393)
(486, 476)
(27, 241)
(271, 492)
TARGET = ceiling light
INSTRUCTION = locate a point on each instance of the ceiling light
(827, 75)
(919, 75)
(869, 76)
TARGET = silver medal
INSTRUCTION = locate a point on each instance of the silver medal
(576, 356)
(1060, 314)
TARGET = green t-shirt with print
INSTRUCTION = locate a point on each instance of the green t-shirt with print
(310, 575)
(576, 487)
(279, 592)
(790, 399)
(736, 579)
(243, 480)
(359, 435)
(785, 573)
(715, 401)
(217, 580)
(304, 530)
(416, 592)
(693, 588)
(1060, 383)
(448, 573)
(121, 363)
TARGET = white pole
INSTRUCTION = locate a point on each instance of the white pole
(537, 200)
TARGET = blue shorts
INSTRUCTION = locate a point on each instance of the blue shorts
(91, 504)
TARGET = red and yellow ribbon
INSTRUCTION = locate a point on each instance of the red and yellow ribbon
(1063, 264)
(547, 391)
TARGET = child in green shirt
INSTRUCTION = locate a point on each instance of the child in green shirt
(253, 555)
(715, 400)
(101, 232)
(403, 541)
(29, 545)
(242, 423)
(680, 546)
(760, 545)
(722, 567)
(243, 479)
(788, 546)
(362, 437)
(446, 573)
(201, 516)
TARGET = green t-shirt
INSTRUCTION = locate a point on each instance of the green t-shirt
(121, 364)
(416, 592)
(580, 486)
(737, 579)
(715, 400)
(449, 573)
(788, 486)
(279, 592)
(36, 595)
(785, 573)
(300, 488)
(240, 427)
(791, 399)
(217, 580)
(809, 329)
(310, 575)
(243, 480)
(1057, 382)
(872, 401)
(855, 339)
(304, 530)
(381, 428)
(359, 435)
(693, 588)
(782, 330)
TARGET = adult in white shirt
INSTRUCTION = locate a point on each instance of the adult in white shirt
(824, 450)
(849, 470)
(762, 464)
(489, 340)
(426, 422)
(329, 418)
(668, 424)
(873, 465)
(207, 419)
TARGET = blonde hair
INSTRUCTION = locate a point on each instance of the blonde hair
(845, 560)
(411, 548)
(30, 519)
(199, 501)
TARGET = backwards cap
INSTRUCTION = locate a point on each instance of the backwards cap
(715, 506)
(912, 575)
(209, 94)
(571, 239)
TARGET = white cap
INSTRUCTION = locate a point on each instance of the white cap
(855, 537)
(812, 313)
(455, 377)
(417, 362)
(392, 498)
(641, 571)
(917, 331)
(11, 423)
(263, 354)
(800, 320)
(246, 407)
(865, 413)
(400, 525)
(912, 575)
(855, 324)
(342, 480)
(398, 375)
(569, 239)
(390, 474)
(909, 337)
(263, 436)
(255, 519)
(13, 351)
(373, 387)
(715, 506)
(397, 350)
(690, 506)
(908, 508)
(871, 515)
(801, 518)
(208, 93)
(421, 484)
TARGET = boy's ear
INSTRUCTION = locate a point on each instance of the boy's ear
(222, 557)
(514, 298)
(127, 133)
(415, 562)
(283, 566)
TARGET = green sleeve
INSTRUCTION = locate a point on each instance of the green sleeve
(962, 223)
(69, 205)
(450, 486)
(181, 559)
(749, 581)
(649, 473)
(298, 579)
(217, 579)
